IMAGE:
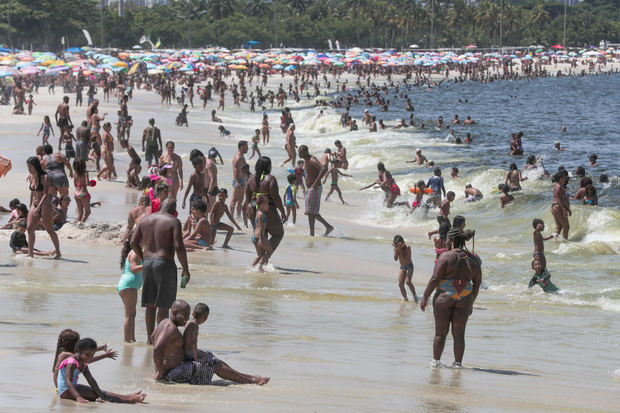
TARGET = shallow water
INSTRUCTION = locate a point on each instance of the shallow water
(326, 323)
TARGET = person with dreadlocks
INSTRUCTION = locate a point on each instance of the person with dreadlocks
(456, 277)
(67, 340)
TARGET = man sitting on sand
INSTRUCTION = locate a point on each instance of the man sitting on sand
(169, 353)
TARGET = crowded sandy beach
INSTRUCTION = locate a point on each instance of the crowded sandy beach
(295, 230)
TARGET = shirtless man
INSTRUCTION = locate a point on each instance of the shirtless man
(341, 155)
(83, 138)
(211, 176)
(175, 171)
(472, 194)
(419, 158)
(196, 181)
(457, 277)
(170, 359)
(63, 118)
(151, 143)
(238, 181)
(314, 173)
(161, 236)
(291, 145)
(136, 215)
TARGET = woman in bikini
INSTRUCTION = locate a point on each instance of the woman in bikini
(265, 184)
(560, 209)
(81, 195)
(265, 129)
(456, 277)
(107, 153)
(41, 208)
(175, 171)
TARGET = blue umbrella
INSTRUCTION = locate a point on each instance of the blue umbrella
(74, 50)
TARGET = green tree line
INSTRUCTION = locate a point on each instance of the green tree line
(41, 24)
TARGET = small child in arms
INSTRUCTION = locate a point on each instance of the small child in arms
(259, 236)
(402, 252)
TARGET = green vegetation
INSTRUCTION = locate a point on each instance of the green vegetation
(40, 24)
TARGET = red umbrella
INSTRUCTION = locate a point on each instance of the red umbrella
(557, 46)
(471, 46)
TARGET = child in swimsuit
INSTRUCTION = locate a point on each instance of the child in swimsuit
(539, 245)
(46, 127)
(81, 195)
(259, 236)
(290, 198)
(255, 141)
(128, 286)
(198, 232)
(402, 253)
(542, 277)
(70, 369)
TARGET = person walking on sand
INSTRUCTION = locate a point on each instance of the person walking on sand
(160, 235)
(456, 277)
(151, 143)
(63, 118)
(314, 173)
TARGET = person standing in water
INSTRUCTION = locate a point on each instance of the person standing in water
(402, 252)
(456, 277)
(560, 209)
(314, 173)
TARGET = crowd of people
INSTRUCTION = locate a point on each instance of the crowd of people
(154, 234)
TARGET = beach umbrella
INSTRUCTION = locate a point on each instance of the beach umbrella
(557, 46)
(278, 67)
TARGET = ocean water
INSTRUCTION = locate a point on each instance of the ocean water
(326, 321)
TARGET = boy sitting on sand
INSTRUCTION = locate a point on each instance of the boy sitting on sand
(402, 252)
(19, 244)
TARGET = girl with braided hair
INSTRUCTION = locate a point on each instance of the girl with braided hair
(65, 347)
(456, 278)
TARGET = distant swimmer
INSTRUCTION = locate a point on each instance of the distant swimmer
(469, 121)
(456, 277)
(557, 146)
(593, 159)
(402, 253)
(560, 209)
(504, 198)
(454, 172)
(472, 194)
(419, 158)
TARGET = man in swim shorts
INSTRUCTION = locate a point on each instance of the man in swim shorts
(151, 143)
(456, 277)
(63, 118)
(314, 173)
(170, 349)
(162, 236)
